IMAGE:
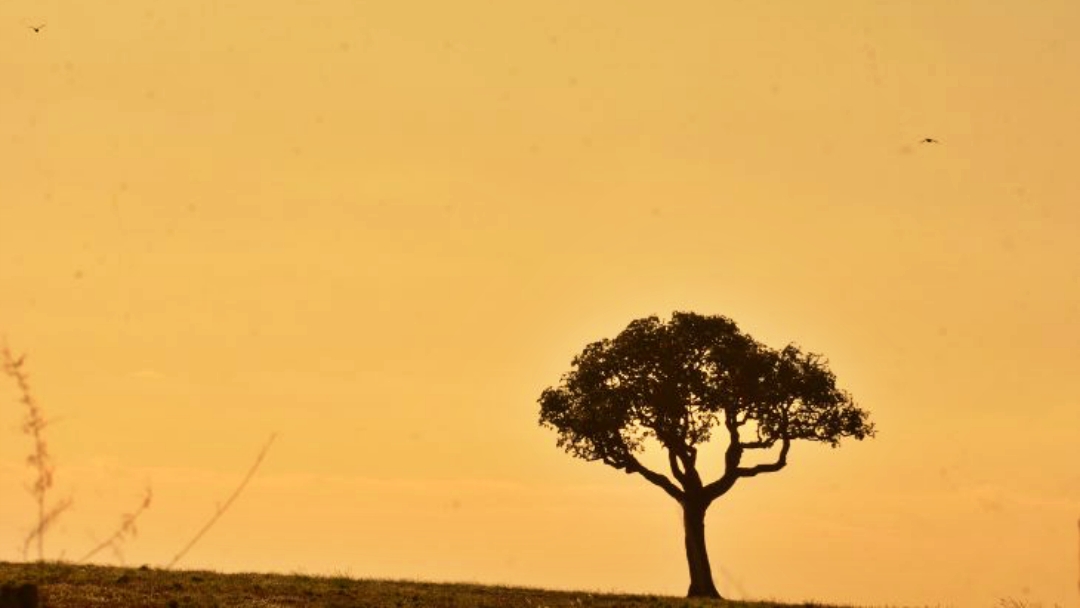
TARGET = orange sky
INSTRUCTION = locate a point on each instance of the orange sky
(382, 228)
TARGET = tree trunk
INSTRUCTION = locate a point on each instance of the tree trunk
(701, 581)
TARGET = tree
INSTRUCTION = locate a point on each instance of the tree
(677, 382)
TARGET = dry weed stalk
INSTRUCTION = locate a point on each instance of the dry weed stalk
(228, 503)
(126, 530)
(34, 426)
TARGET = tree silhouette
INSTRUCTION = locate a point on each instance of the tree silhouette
(677, 382)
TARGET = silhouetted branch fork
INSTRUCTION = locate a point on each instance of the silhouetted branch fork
(772, 467)
(676, 469)
(228, 502)
(127, 528)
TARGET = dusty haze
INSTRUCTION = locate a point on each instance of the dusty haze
(382, 228)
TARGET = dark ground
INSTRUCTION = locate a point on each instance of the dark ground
(71, 586)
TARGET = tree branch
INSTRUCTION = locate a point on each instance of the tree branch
(720, 487)
(662, 481)
(733, 454)
(732, 458)
(771, 467)
(673, 462)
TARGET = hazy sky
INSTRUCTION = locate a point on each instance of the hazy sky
(381, 228)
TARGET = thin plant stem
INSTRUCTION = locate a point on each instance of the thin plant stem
(126, 530)
(225, 506)
(34, 426)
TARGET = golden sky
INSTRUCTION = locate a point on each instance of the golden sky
(382, 228)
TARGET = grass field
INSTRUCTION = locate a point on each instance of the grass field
(72, 586)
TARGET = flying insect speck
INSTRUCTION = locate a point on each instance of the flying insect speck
(37, 28)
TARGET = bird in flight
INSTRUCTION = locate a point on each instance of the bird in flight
(37, 28)
(930, 140)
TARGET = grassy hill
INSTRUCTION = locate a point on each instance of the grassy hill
(65, 585)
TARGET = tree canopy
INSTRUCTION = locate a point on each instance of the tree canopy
(682, 380)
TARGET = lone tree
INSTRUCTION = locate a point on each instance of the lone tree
(676, 382)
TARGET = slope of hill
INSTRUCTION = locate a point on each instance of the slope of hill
(73, 586)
